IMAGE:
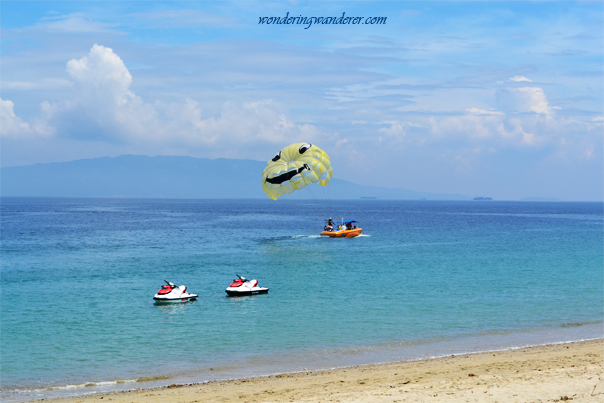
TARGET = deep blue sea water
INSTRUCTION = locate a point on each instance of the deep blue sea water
(428, 278)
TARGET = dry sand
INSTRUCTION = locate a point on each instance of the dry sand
(552, 373)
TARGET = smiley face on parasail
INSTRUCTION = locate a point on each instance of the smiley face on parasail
(294, 167)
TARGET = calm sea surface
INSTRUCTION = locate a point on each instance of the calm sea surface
(428, 278)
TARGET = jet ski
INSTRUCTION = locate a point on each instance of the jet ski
(242, 286)
(171, 293)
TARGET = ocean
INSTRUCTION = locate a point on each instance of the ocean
(426, 279)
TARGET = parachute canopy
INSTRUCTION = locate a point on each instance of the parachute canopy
(294, 167)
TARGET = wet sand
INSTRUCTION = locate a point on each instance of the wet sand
(563, 372)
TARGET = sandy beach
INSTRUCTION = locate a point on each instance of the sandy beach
(553, 373)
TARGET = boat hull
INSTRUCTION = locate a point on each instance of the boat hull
(174, 300)
(343, 234)
(235, 293)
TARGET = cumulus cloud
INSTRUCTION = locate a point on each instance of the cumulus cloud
(104, 108)
(478, 127)
(10, 124)
(524, 119)
(99, 68)
(254, 123)
(396, 129)
(523, 100)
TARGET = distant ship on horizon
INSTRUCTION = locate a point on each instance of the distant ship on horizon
(483, 198)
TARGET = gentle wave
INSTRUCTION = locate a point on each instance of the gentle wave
(10, 391)
(578, 324)
(85, 385)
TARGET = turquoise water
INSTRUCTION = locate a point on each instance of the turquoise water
(426, 279)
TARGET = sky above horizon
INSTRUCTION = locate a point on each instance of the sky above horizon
(499, 99)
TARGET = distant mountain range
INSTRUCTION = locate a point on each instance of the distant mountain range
(170, 177)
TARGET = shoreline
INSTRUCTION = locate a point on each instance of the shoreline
(551, 372)
(318, 360)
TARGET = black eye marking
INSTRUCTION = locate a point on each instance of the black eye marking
(277, 157)
(277, 180)
(304, 148)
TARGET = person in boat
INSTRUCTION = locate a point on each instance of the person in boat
(329, 225)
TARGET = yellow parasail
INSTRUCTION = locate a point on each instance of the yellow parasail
(294, 167)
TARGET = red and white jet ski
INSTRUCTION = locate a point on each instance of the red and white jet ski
(242, 286)
(171, 293)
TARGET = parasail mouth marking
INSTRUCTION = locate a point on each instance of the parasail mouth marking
(304, 147)
(277, 180)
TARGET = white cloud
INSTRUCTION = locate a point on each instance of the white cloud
(477, 111)
(396, 129)
(105, 109)
(10, 124)
(254, 123)
(474, 127)
(519, 79)
(523, 100)
(102, 71)
(524, 120)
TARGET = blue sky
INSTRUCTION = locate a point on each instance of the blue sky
(501, 99)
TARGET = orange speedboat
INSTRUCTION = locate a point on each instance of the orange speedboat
(348, 229)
